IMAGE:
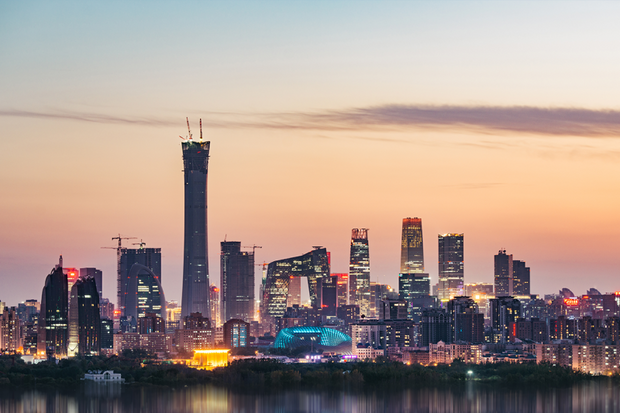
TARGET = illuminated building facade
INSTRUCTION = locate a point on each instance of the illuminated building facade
(53, 319)
(144, 294)
(195, 259)
(237, 282)
(215, 306)
(84, 318)
(503, 274)
(504, 310)
(520, 278)
(359, 271)
(236, 333)
(312, 265)
(10, 331)
(343, 288)
(451, 269)
(145, 257)
(412, 247)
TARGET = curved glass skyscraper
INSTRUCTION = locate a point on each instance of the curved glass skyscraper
(195, 261)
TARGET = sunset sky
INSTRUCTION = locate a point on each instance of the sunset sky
(499, 120)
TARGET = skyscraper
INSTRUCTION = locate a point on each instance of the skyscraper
(144, 294)
(359, 270)
(53, 319)
(237, 282)
(412, 247)
(98, 276)
(520, 278)
(503, 274)
(313, 265)
(84, 319)
(195, 259)
(145, 257)
(413, 283)
(450, 266)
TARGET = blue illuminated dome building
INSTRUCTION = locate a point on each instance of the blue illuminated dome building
(316, 337)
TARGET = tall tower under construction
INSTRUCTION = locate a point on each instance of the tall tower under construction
(195, 260)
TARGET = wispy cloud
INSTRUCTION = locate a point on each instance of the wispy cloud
(480, 119)
(486, 120)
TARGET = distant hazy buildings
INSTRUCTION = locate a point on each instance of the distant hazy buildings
(236, 282)
(512, 277)
(195, 257)
(520, 278)
(359, 270)
(451, 268)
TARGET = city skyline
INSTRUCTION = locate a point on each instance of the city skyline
(513, 134)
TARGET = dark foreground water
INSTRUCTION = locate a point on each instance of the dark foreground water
(591, 397)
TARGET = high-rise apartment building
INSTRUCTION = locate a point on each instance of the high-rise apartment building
(359, 270)
(412, 247)
(84, 318)
(237, 282)
(53, 318)
(150, 258)
(196, 285)
(503, 274)
(451, 273)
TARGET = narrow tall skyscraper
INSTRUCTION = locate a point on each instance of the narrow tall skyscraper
(237, 282)
(359, 271)
(53, 318)
(195, 260)
(412, 247)
(450, 266)
(503, 274)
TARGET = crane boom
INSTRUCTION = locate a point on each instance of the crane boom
(188, 129)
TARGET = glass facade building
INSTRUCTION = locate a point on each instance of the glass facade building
(195, 298)
(503, 274)
(237, 282)
(414, 285)
(84, 319)
(53, 318)
(312, 265)
(451, 269)
(359, 271)
(520, 278)
(412, 247)
(146, 257)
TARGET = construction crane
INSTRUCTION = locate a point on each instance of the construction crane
(253, 248)
(188, 129)
(201, 130)
(118, 265)
(141, 244)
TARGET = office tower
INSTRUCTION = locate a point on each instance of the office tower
(359, 270)
(378, 293)
(84, 318)
(313, 265)
(98, 276)
(10, 331)
(412, 247)
(294, 292)
(435, 324)
(329, 295)
(143, 294)
(392, 309)
(503, 274)
(236, 333)
(106, 338)
(150, 258)
(343, 288)
(466, 323)
(521, 278)
(414, 288)
(151, 323)
(53, 318)
(215, 306)
(195, 257)
(504, 310)
(451, 272)
(237, 282)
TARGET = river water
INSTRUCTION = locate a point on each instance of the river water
(590, 397)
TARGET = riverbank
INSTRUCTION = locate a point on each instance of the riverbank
(270, 374)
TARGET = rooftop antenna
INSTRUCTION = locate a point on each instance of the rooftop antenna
(200, 130)
(188, 130)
